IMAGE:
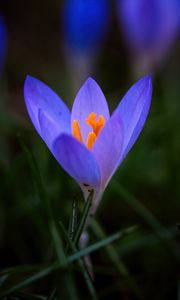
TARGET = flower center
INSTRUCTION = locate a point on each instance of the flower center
(96, 124)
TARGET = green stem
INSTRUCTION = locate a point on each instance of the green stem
(84, 218)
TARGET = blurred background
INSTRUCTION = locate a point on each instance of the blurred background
(115, 42)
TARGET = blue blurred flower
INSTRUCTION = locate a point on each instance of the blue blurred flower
(88, 143)
(3, 37)
(149, 26)
(85, 25)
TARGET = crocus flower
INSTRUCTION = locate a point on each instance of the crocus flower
(88, 143)
(85, 24)
(2, 42)
(149, 26)
(84, 27)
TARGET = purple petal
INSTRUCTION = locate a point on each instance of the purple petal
(48, 127)
(108, 148)
(45, 107)
(89, 99)
(77, 160)
(133, 110)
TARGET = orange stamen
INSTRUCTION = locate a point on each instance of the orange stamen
(96, 125)
(91, 120)
(76, 131)
(100, 124)
(91, 140)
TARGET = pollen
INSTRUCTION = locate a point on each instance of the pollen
(96, 125)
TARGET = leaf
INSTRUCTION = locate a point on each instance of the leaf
(56, 266)
(29, 296)
(73, 220)
(83, 221)
(114, 256)
(72, 223)
(29, 280)
(57, 242)
(149, 218)
(36, 176)
(81, 263)
(58, 245)
(143, 240)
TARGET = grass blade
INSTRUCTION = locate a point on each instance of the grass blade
(103, 243)
(143, 241)
(58, 245)
(72, 223)
(36, 176)
(56, 266)
(81, 264)
(73, 220)
(85, 213)
(29, 296)
(115, 258)
(149, 218)
(29, 280)
(67, 279)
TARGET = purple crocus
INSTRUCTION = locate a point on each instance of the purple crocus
(88, 143)
(3, 37)
(85, 25)
(149, 26)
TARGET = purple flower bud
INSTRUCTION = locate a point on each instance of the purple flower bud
(3, 41)
(149, 26)
(85, 25)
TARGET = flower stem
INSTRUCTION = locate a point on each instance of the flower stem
(84, 218)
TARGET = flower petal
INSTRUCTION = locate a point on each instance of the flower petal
(108, 148)
(39, 97)
(48, 127)
(89, 99)
(133, 110)
(77, 160)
